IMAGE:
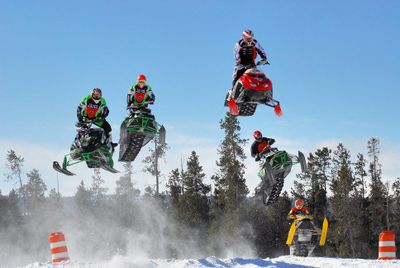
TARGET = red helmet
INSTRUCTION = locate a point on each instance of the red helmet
(299, 203)
(257, 135)
(141, 77)
(247, 36)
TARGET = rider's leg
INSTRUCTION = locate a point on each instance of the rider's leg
(237, 73)
(107, 130)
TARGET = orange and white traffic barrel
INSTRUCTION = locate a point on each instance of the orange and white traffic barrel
(387, 246)
(58, 247)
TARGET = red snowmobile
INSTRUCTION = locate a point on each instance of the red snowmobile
(251, 89)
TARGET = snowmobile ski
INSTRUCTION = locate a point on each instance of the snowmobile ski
(233, 108)
(109, 169)
(64, 171)
(324, 232)
(292, 231)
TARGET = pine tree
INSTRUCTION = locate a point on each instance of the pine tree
(312, 187)
(97, 189)
(377, 198)
(125, 195)
(174, 186)
(83, 199)
(230, 184)
(15, 164)
(34, 190)
(345, 217)
(151, 161)
(360, 175)
(193, 204)
(361, 218)
(395, 223)
(125, 184)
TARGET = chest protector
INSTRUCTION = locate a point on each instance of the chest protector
(262, 145)
(247, 54)
(92, 108)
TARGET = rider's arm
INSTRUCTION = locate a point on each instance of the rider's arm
(260, 50)
(129, 99)
(80, 109)
(150, 95)
(103, 110)
(253, 149)
(270, 141)
(236, 50)
(291, 215)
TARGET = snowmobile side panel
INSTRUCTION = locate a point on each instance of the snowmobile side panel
(291, 233)
(324, 232)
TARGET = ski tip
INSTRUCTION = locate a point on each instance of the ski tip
(278, 110)
(233, 109)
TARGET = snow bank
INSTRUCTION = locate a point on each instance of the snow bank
(283, 261)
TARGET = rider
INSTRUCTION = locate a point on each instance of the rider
(246, 50)
(93, 108)
(298, 209)
(139, 93)
(261, 145)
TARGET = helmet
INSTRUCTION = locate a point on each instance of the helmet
(257, 135)
(141, 77)
(299, 203)
(247, 36)
(96, 94)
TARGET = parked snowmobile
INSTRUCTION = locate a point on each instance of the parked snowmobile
(304, 236)
(89, 146)
(276, 165)
(137, 130)
(251, 89)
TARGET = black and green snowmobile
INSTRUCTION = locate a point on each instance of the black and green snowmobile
(275, 166)
(139, 128)
(90, 146)
(304, 236)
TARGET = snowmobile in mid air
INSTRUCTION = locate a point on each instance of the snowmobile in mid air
(251, 89)
(137, 130)
(90, 146)
(275, 166)
(304, 236)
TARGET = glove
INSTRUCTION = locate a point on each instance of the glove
(258, 157)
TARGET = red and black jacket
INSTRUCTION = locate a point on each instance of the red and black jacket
(258, 146)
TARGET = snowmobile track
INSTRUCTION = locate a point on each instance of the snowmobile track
(275, 192)
(135, 143)
(247, 109)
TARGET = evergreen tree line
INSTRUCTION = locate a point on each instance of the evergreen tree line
(195, 219)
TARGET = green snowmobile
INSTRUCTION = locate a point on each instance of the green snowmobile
(276, 165)
(89, 146)
(137, 130)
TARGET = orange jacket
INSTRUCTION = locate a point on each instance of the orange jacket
(294, 211)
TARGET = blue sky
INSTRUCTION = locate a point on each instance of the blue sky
(335, 68)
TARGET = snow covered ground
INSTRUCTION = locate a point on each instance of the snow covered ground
(283, 261)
